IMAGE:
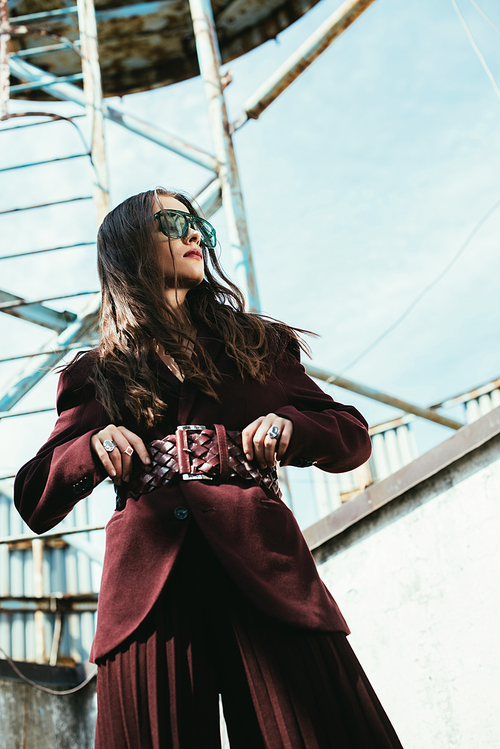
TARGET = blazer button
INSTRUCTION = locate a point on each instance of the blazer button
(86, 482)
(181, 513)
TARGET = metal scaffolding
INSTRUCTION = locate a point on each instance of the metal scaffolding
(74, 331)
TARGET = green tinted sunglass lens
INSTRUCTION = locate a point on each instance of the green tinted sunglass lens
(163, 224)
(174, 224)
(207, 232)
(177, 224)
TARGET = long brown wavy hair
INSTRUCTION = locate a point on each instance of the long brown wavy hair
(135, 316)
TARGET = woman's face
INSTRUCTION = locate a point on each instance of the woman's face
(186, 252)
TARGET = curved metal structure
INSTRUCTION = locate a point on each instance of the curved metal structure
(143, 45)
(48, 51)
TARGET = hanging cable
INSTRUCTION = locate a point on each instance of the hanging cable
(476, 48)
(46, 689)
(431, 285)
(486, 18)
(480, 223)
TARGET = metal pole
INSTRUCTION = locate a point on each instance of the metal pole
(22, 382)
(4, 57)
(50, 534)
(39, 616)
(312, 48)
(79, 329)
(38, 313)
(68, 92)
(93, 95)
(376, 395)
(210, 199)
(207, 48)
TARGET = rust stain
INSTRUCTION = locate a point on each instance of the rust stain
(156, 49)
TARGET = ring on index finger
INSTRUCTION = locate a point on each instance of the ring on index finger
(129, 451)
(273, 433)
(109, 445)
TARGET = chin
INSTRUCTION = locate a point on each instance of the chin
(191, 283)
(184, 282)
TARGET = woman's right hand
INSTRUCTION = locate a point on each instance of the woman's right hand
(118, 462)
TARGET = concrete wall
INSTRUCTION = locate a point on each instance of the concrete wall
(32, 719)
(418, 581)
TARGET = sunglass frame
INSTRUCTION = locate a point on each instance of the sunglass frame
(207, 231)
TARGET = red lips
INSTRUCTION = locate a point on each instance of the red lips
(193, 253)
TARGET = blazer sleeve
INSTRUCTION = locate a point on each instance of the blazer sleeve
(330, 435)
(64, 470)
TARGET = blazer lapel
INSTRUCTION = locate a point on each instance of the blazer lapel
(211, 346)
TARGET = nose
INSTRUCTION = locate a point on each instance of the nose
(193, 236)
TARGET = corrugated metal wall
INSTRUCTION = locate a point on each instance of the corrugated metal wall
(66, 569)
(485, 403)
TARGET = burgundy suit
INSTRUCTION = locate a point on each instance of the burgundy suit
(253, 534)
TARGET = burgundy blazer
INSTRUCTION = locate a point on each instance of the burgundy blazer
(254, 535)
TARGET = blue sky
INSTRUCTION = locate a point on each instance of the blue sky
(360, 182)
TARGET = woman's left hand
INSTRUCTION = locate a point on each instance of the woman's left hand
(256, 441)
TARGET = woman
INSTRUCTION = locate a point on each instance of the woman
(208, 586)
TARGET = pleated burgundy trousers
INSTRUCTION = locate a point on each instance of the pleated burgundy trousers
(281, 687)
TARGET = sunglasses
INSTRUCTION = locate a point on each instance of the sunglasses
(175, 225)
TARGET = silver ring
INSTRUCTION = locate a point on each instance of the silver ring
(109, 445)
(273, 433)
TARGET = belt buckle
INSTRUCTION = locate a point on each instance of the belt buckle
(188, 476)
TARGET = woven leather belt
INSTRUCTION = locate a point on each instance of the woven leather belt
(195, 453)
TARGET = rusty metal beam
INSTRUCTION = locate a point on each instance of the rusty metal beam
(207, 48)
(65, 603)
(42, 161)
(4, 306)
(389, 400)
(45, 205)
(4, 57)
(469, 395)
(33, 51)
(79, 330)
(210, 198)
(36, 368)
(22, 87)
(74, 347)
(20, 126)
(460, 444)
(9, 415)
(46, 249)
(19, 537)
(37, 313)
(94, 106)
(310, 50)
(68, 92)
(455, 400)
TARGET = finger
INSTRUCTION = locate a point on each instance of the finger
(259, 440)
(284, 441)
(114, 457)
(271, 444)
(116, 460)
(103, 456)
(137, 444)
(247, 437)
(112, 433)
(122, 454)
